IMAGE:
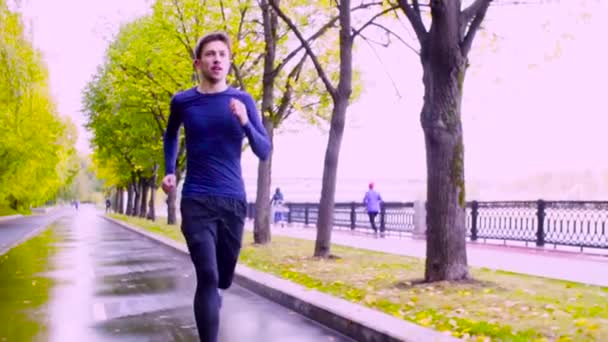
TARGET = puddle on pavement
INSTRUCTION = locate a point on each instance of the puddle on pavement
(161, 326)
(25, 288)
(143, 283)
(132, 262)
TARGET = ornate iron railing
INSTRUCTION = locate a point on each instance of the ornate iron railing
(568, 223)
(394, 217)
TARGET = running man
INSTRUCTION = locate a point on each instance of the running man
(216, 119)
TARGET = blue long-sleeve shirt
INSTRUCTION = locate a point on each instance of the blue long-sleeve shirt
(372, 201)
(214, 140)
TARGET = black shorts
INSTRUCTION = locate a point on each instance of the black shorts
(213, 228)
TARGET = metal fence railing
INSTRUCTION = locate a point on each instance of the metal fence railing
(394, 217)
(567, 223)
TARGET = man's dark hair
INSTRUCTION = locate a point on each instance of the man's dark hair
(211, 37)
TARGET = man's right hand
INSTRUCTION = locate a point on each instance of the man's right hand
(168, 184)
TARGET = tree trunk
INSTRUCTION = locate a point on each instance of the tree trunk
(444, 68)
(130, 199)
(144, 197)
(120, 209)
(338, 119)
(151, 204)
(261, 226)
(137, 202)
(153, 181)
(171, 199)
(328, 191)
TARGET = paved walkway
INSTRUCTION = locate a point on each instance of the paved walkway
(105, 283)
(16, 229)
(566, 266)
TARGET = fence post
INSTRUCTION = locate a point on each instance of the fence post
(353, 216)
(306, 214)
(474, 215)
(289, 213)
(382, 217)
(419, 220)
(540, 232)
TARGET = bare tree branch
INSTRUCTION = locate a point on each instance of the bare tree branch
(368, 41)
(181, 21)
(243, 13)
(178, 84)
(189, 49)
(238, 76)
(223, 11)
(479, 16)
(147, 75)
(320, 32)
(469, 13)
(416, 6)
(392, 33)
(316, 35)
(372, 19)
(287, 94)
(322, 75)
(158, 119)
(415, 19)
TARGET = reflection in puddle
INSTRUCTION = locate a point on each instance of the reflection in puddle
(161, 326)
(148, 283)
(25, 288)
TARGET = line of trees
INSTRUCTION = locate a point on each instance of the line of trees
(38, 161)
(296, 59)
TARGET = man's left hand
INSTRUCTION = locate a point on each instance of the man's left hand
(239, 110)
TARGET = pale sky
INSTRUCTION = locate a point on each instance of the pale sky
(534, 100)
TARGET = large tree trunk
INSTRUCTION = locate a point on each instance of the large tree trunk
(144, 197)
(171, 208)
(130, 199)
(171, 202)
(338, 119)
(328, 191)
(444, 68)
(120, 201)
(172, 196)
(152, 207)
(137, 202)
(261, 226)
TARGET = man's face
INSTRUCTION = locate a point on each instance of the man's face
(214, 61)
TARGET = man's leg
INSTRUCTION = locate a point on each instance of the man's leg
(372, 220)
(199, 226)
(230, 235)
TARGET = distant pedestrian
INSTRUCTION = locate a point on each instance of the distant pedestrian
(372, 202)
(277, 202)
(108, 205)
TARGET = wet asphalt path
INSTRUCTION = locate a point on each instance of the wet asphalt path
(110, 284)
(14, 230)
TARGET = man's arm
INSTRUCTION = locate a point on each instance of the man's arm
(171, 138)
(256, 134)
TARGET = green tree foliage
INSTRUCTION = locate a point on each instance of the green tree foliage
(151, 58)
(37, 146)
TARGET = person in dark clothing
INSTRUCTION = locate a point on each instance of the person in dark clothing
(277, 200)
(372, 201)
(216, 119)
